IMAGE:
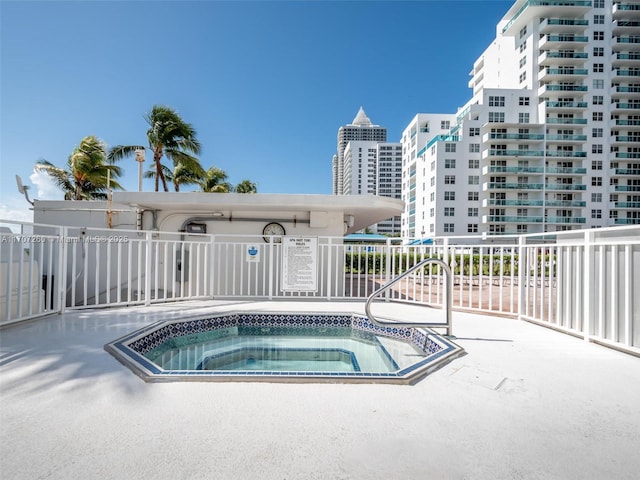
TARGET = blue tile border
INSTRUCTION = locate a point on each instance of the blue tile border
(132, 348)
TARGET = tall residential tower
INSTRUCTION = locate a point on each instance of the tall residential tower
(550, 139)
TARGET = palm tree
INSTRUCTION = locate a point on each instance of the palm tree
(180, 175)
(168, 135)
(215, 181)
(89, 171)
(246, 186)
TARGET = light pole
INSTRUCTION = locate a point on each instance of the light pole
(140, 159)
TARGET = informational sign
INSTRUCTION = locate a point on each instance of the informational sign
(253, 253)
(299, 264)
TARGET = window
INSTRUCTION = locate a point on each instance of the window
(474, 132)
(523, 31)
(596, 213)
(598, 67)
(596, 197)
(598, 52)
(598, 35)
(596, 132)
(596, 181)
(523, 77)
(523, 61)
(523, 118)
(598, 84)
(448, 228)
(474, 179)
(598, 3)
(449, 163)
(596, 148)
(496, 117)
(598, 19)
(472, 212)
(433, 181)
(472, 228)
(449, 212)
(445, 125)
(598, 100)
(474, 163)
(472, 196)
(450, 147)
(523, 101)
(523, 46)
(449, 179)
(496, 101)
(449, 195)
(596, 164)
(474, 148)
(597, 116)
(432, 212)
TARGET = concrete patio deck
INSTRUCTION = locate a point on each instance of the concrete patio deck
(524, 403)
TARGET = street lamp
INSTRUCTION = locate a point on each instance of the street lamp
(140, 159)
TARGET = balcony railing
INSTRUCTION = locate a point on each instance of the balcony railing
(566, 104)
(626, 171)
(627, 188)
(577, 138)
(566, 121)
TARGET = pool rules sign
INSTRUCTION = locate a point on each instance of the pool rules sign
(299, 264)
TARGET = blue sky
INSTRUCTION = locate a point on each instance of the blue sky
(266, 84)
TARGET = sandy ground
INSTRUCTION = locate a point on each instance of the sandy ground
(524, 403)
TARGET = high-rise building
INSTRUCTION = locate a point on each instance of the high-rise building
(550, 139)
(361, 129)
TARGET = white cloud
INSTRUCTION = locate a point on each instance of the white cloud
(16, 209)
(47, 189)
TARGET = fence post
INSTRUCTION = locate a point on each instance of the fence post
(212, 265)
(588, 284)
(63, 261)
(147, 270)
(522, 266)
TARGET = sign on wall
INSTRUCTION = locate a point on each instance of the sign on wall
(253, 253)
(299, 264)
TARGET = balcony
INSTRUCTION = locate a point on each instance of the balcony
(552, 90)
(624, 74)
(628, 155)
(624, 106)
(443, 138)
(566, 138)
(559, 41)
(626, 139)
(566, 105)
(549, 25)
(625, 205)
(626, 10)
(492, 152)
(488, 202)
(487, 169)
(567, 170)
(626, 43)
(562, 74)
(564, 186)
(551, 57)
(565, 220)
(565, 154)
(628, 123)
(545, 8)
(624, 58)
(626, 171)
(627, 221)
(565, 121)
(512, 136)
(625, 91)
(625, 26)
(511, 186)
(511, 219)
(627, 188)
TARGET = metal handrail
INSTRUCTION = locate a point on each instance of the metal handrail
(448, 298)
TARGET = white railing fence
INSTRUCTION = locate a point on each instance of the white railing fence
(585, 283)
